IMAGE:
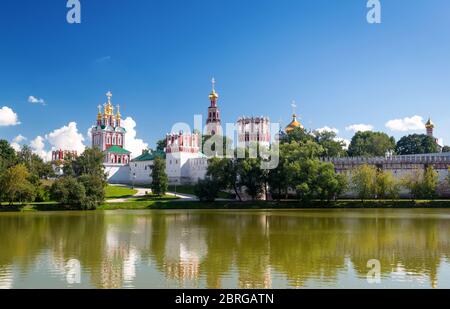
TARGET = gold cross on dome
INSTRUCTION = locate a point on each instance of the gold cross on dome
(99, 109)
(109, 95)
(294, 107)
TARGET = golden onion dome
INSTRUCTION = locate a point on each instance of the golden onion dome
(214, 95)
(294, 124)
(429, 124)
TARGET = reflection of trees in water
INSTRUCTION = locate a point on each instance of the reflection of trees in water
(188, 247)
(304, 247)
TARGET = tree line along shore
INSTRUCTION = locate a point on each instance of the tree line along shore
(301, 179)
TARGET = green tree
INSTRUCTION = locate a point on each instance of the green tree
(416, 144)
(68, 191)
(313, 179)
(160, 181)
(299, 135)
(94, 186)
(279, 178)
(446, 149)
(386, 185)
(89, 162)
(224, 172)
(330, 185)
(370, 144)
(207, 190)
(331, 146)
(7, 155)
(35, 165)
(430, 183)
(422, 184)
(364, 181)
(251, 176)
(161, 145)
(412, 181)
(15, 186)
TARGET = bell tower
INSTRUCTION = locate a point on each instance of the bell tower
(213, 123)
(430, 128)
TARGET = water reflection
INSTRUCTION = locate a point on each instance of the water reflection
(218, 249)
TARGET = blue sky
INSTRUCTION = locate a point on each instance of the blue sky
(158, 57)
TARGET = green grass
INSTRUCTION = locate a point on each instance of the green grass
(171, 203)
(185, 189)
(182, 189)
(115, 192)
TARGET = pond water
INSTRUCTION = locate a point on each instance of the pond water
(226, 249)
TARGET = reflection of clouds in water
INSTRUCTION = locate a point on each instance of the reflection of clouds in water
(129, 265)
(400, 274)
(6, 277)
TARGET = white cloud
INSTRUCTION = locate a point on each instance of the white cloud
(17, 141)
(360, 127)
(327, 129)
(343, 140)
(132, 143)
(103, 59)
(38, 147)
(337, 138)
(414, 123)
(66, 138)
(19, 138)
(35, 100)
(8, 117)
(16, 146)
(89, 134)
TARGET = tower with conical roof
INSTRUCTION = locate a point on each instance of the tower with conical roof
(213, 122)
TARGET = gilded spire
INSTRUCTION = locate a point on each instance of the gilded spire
(294, 109)
(214, 95)
(109, 95)
(109, 109)
(429, 124)
(99, 115)
(118, 115)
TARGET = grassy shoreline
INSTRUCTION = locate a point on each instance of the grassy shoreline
(167, 203)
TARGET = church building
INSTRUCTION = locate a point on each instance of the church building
(109, 136)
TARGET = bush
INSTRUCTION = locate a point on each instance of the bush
(206, 190)
(68, 191)
(95, 189)
(42, 194)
